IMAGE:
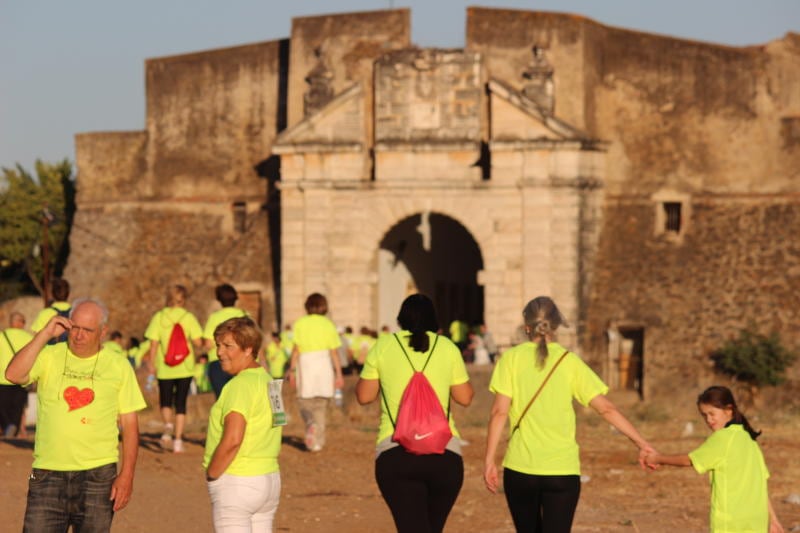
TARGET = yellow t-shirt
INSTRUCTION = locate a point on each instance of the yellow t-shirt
(315, 332)
(160, 329)
(79, 400)
(386, 362)
(276, 358)
(738, 475)
(114, 347)
(247, 395)
(545, 442)
(46, 314)
(17, 339)
(217, 318)
(287, 341)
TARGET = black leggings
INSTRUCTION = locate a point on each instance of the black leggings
(541, 504)
(420, 490)
(174, 389)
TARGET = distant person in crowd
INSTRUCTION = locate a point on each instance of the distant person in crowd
(458, 333)
(59, 291)
(226, 296)
(114, 344)
(349, 342)
(314, 368)
(488, 342)
(85, 395)
(287, 339)
(276, 357)
(478, 354)
(173, 381)
(242, 446)
(739, 496)
(420, 490)
(541, 468)
(364, 342)
(13, 398)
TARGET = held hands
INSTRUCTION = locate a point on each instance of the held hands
(647, 457)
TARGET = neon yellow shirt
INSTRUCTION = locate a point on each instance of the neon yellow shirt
(738, 476)
(545, 442)
(386, 362)
(217, 318)
(247, 395)
(315, 332)
(160, 329)
(113, 346)
(18, 338)
(276, 358)
(73, 433)
(46, 314)
(287, 341)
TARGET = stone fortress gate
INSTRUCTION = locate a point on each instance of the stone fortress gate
(648, 184)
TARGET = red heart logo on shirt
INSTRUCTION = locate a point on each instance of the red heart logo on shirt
(78, 398)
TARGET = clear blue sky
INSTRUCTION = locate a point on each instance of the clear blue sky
(75, 66)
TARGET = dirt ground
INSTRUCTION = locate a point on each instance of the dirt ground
(334, 490)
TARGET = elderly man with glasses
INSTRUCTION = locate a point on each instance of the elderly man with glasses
(82, 390)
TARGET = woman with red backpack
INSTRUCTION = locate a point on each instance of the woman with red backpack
(174, 332)
(419, 469)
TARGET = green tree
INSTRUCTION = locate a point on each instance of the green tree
(35, 218)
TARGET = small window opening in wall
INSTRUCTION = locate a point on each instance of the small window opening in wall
(672, 217)
(239, 216)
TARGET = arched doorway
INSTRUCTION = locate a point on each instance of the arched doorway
(433, 254)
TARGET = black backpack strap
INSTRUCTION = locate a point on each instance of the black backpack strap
(9, 342)
(383, 396)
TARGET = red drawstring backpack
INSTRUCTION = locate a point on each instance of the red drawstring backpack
(178, 346)
(422, 427)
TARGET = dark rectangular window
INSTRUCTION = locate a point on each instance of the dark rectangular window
(240, 216)
(672, 217)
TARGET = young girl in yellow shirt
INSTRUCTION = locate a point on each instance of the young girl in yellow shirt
(739, 498)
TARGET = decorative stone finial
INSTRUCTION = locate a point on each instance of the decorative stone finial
(539, 81)
(319, 80)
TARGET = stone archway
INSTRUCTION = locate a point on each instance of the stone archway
(434, 254)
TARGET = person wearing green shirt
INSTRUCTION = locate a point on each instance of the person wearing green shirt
(226, 296)
(739, 498)
(12, 397)
(85, 395)
(175, 381)
(315, 369)
(242, 444)
(420, 490)
(541, 467)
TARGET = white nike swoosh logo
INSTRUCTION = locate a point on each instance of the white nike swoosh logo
(424, 436)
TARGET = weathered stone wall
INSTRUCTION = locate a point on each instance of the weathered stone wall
(711, 127)
(211, 118)
(348, 44)
(157, 207)
(739, 266)
(687, 121)
(127, 253)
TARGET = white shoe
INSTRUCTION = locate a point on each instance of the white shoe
(177, 446)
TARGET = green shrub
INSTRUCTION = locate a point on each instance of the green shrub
(754, 358)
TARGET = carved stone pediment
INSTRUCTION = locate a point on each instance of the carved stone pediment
(338, 126)
(427, 96)
(517, 118)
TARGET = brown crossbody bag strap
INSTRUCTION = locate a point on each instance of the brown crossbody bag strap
(519, 421)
